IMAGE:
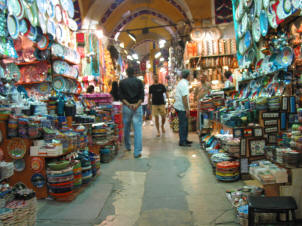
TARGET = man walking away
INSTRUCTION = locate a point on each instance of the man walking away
(132, 95)
(181, 106)
(156, 92)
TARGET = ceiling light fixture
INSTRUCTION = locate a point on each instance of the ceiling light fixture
(162, 59)
(135, 56)
(122, 45)
(132, 36)
(129, 57)
(157, 55)
(138, 62)
(162, 43)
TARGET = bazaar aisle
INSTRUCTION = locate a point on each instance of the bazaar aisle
(169, 185)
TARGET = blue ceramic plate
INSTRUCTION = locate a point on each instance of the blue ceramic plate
(13, 26)
(247, 40)
(272, 18)
(263, 23)
(59, 83)
(38, 180)
(42, 6)
(19, 165)
(285, 57)
(23, 26)
(256, 30)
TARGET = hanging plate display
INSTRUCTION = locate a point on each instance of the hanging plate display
(59, 16)
(57, 50)
(68, 7)
(239, 31)
(42, 6)
(51, 10)
(258, 7)
(59, 83)
(13, 26)
(20, 15)
(248, 3)
(251, 55)
(14, 7)
(16, 148)
(19, 165)
(37, 164)
(285, 57)
(272, 17)
(43, 23)
(23, 28)
(59, 33)
(263, 23)
(29, 15)
(51, 28)
(244, 23)
(284, 9)
(247, 40)
(296, 4)
(72, 24)
(241, 47)
(38, 180)
(256, 30)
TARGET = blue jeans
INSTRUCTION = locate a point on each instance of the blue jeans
(183, 127)
(136, 118)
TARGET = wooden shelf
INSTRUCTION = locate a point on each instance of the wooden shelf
(30, 63)
(31, 83)
(211, 56)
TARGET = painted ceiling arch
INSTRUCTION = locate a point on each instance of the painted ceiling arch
(122, 24)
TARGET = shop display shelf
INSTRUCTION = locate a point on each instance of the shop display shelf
(30, 83)
(30, 63)
(65, 76)
(211, 56)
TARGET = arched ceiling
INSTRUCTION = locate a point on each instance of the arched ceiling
(117, 15)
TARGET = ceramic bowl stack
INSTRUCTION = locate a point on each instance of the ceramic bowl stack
(228, 171)
(95, 163)
(274, 103)
(60, 178)
(86, 167)
(77, 174)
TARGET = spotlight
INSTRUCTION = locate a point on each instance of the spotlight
(157, 55)
(162, 43)
(122, 45)
(162, 59)
(132, 36)
(135, 56)
(129, 57)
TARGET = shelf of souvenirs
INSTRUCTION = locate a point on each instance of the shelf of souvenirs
(210, 56)
(259, 77)
(31, 83)
(54, 58)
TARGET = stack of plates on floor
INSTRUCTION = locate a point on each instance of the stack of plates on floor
(77, 174)
(86, 167)
(274, 103)
(220, 157)
(291, 158)
(227, 171)
(95, 162)
(60, 179)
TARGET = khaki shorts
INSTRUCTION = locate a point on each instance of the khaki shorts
(158, 110)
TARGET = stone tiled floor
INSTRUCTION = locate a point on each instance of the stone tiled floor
(169, 185)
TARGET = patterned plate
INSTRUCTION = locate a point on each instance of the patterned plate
(72, 24)
(14, 7)
(263, 23)
(59, 83)
(37, 164)
(284, 9)
(57, 50)
(247, 40)
(44, 88)
(43, 43)
(38, 180)
(68, 7)
(258, 7)
(43, 23)
(272, 17)
(13, 26)
(244, 23)
(51, 28)
(256, 30)
(51, 10)
(286, 57)
(13, 71)
(266, 3)
(3, 4)
(241, 47)
(16, 148)
(59, 33)
(19, 165)
(59, 16)
(42, 6)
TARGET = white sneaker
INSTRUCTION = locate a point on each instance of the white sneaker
(144, 123)
(151, 123)
(132, 134)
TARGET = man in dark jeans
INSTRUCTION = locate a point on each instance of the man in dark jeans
(131, 92)
(182, 108)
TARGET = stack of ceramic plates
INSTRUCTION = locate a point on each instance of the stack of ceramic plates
(274, 103)
(95, 163)
(291, 158)
(227, 171)
(60, 179)
(220, 157)
(86, 167)
(12, 127)
(77, 174)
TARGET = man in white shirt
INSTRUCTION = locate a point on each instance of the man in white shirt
(181, 106)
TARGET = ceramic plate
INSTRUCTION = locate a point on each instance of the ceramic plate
(68, 7)
(256, 30)
(266, 3)
(13, 71)
(14, 7)
(13, 26)
(42, 6)
(23, 26)
(296, 4)
(43, 43)
(59, 33)
(19, 165)
(258, 7)
(241, 47)
(248, 3)
(57, 50)
(59, 83)
(284, 9)
(247, 40)
(16, 148)
(20, 15)
(32, 35)
(43, 24)
(35, 13)
(37, 164)
(272, 18)
(286, 57)
(239, 31)
(51, 28)
(3, 4)
(244, 23)
(38, 180)
(263, 23)
(51, 10)
(59, 16)
(72, 24)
